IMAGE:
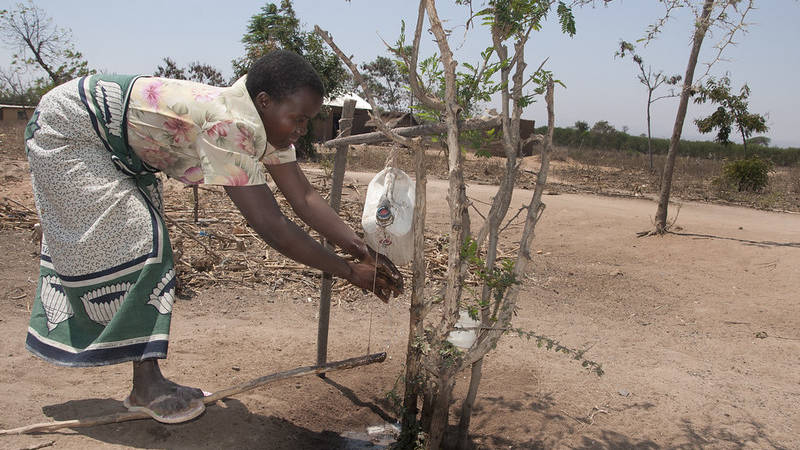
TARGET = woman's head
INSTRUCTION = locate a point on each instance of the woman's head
(287, 93)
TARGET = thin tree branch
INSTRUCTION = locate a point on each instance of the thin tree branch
(381, 125)
(413, 77)
(536, 71)
(456, 191)
(477, 211)
(521, 208)
(732, 27)
(670, 95)
(505, 309)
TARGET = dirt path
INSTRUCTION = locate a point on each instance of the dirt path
(673, 320)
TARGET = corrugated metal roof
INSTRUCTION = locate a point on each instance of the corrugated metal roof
(339, 101)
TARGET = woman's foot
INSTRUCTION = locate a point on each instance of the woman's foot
(160, 398)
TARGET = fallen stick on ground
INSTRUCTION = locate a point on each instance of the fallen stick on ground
(219, 395)
(9, 199)
(192, 236)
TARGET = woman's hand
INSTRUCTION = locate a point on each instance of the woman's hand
(384, 264)
(371, 278)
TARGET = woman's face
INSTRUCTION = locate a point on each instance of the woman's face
(286, 120)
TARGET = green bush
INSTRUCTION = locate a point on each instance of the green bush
(748, 174)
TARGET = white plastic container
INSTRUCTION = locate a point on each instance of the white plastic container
(388, 214)
(465, 332)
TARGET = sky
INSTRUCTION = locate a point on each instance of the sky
(117, 37)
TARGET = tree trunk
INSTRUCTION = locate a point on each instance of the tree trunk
(456, 192)
(535, 209)
(440, 412)
(427, 404)
(666, 179)
(744, 143)
(416, 334)
(466, 408)
(649, 138)
(459, 230)
(497, 212)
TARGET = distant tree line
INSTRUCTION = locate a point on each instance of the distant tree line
(604, 136)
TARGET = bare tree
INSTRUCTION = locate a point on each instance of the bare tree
(726, 15)
(432, 361)
(651, 81)
(40, 43)
(14, 90)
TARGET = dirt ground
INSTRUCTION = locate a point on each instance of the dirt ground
(674, 321)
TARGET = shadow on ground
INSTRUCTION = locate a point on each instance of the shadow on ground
(761, 244)
(235, 426)
(231, 427)
(551, 427)
(351, 395)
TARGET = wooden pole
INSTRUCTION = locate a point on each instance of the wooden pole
(219, 395)
(478, 123)
(196, 202)
(339, 164)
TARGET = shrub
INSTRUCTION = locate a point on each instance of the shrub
(794, 177)
(748, 174)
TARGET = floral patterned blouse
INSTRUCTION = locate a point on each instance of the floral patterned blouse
(200, 134)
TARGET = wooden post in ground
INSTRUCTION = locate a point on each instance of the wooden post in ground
(339, 163)
(196, 202)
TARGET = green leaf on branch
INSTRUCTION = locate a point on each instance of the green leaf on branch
(552, 344)
(566, 19)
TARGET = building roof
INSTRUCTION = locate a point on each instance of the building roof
(393, 119)
(339, 101)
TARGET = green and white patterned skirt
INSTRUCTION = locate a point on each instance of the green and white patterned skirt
(106, 279)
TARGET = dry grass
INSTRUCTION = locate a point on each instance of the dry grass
(12, 142)
(603, 172)
(627, 173)
(790, 177)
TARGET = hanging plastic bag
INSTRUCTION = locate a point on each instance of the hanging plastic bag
(388, 213)
(465, 332)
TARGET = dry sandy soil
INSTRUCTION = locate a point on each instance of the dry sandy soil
(673, 320)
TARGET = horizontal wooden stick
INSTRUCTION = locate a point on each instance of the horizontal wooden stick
(219, 395)
(479, 123)
(299, 372)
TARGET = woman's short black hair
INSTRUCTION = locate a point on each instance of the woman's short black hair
(280, 73)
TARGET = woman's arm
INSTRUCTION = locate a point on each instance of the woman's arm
(314, 210)
(262, 212)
